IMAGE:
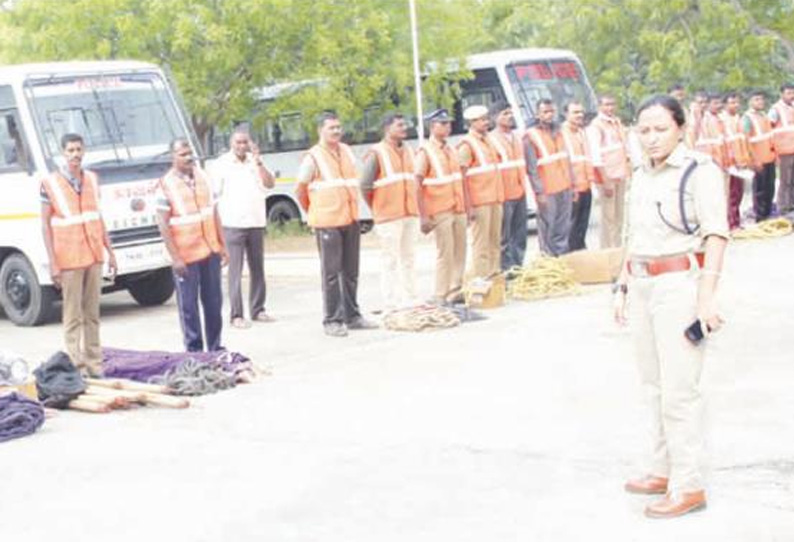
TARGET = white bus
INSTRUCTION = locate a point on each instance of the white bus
(127, 112)
(519, 76)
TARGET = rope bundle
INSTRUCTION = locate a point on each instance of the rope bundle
(194, 377)
(423, 318)
(544, 277)
(776, 227)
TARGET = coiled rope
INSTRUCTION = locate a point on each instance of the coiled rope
(542, 278)
(776, 227)
(422, 318)
(193, 377)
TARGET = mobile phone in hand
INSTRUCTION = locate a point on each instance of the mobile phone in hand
(694, 333)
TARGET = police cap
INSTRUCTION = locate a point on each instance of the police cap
(439, 115)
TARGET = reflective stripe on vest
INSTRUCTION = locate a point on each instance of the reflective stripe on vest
(760, 135)
(443, 190)
(783, 133)
(553, 167)
(580, 163)
(77, 231)
(192, 220)
(513, 166)
(484, 179)
(394, 193)
(333, 195)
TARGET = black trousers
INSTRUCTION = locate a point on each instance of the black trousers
(580, 218)
(339, 254)
(764, 191)
(246, 244)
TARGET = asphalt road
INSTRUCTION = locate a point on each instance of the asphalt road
(520, 427)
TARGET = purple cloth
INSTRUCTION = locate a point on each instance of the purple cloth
(143, 366)
(19, 416)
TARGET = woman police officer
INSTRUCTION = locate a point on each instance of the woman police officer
(678, 232)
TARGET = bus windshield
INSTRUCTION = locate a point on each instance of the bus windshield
(122, 117)
(558, 80)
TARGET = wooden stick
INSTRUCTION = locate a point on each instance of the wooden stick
(129, 385)
(134, 396)
(166, 400)
(88, 406)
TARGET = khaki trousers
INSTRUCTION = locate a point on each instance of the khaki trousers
(450, 233)
(670, 367)
(612, 216)
(80, 289)
(398, 245)
(487, 239)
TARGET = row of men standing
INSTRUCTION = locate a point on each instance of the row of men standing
(481, 183)
(756, 140)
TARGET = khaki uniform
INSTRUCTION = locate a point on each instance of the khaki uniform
(449, 229)
(662, 307)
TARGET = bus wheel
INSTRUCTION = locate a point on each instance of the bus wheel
(282, 211)
(24, 300)
(154, 288)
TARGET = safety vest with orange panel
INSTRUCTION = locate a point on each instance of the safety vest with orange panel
(609, 149)
(783, 127)
(76, 223)
(394, 191)
(554, 168)
(192, 221)
(579, 155)
(483, 178)
(736, 141)
(442, 187)
(511, 163)
(333, 191)
(711, 139)
(758, 129)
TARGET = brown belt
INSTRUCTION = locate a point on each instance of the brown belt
(652, 267)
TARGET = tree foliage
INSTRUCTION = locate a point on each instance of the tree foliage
(220, 51)
(632, 48)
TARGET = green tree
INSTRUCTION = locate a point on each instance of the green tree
(220, 51)
(632, 48)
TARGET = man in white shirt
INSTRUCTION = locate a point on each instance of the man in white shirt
(241, 179)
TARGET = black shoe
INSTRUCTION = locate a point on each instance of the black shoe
(361, 323)
(335, 329)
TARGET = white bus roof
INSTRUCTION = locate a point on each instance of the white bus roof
(43, 69)
(499, 58)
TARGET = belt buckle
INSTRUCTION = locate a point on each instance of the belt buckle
(639, 269)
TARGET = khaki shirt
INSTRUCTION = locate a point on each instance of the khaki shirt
(654, 198)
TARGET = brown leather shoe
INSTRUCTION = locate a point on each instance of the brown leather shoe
(647, 485)
(673, 506)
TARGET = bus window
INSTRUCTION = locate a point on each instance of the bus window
(122, 118)
(13, 153)
(485, 89)
(290, 134)
(560, 81)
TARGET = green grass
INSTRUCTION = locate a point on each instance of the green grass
(292, 228)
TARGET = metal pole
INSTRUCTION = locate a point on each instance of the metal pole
(420, 128)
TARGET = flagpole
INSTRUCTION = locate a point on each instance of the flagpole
(420, 127)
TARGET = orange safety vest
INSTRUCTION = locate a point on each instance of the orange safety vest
(192, 222)
(760, 138)
(783, 129)
(552, 160)
(711, 139)
(442, 189)
(511, 164)
(612, 145)
(76, 223)
(483, 177)
(394, 192)
(579, 155)
(736, 140)
(333, 193)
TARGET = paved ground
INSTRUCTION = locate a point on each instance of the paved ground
(521, 427)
